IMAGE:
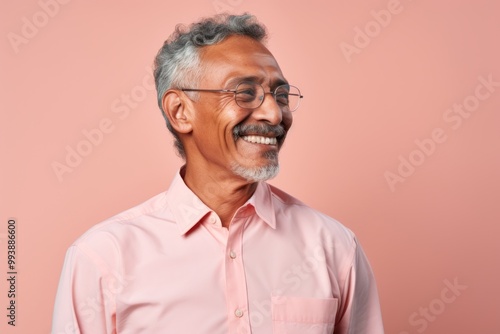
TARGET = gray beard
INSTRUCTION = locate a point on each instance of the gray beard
(256, 174)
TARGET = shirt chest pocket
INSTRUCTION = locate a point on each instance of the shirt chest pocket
(292, 315)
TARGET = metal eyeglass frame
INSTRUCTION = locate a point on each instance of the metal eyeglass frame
(260, 98)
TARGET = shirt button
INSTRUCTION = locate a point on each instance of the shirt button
(238, 313)
(232, 254)
(213, 220)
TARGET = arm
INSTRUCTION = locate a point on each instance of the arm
(85, 300)
(360, 303)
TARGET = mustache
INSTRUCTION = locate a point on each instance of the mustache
(241, 130)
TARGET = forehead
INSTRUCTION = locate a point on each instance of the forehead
(239, 56)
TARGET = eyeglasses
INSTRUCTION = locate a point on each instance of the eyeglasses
(250, 95)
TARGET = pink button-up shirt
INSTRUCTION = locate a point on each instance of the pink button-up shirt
(168, 266)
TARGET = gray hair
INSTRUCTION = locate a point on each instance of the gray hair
(177, 64)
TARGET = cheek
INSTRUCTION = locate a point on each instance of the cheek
(229, 119)
(222, 128)
(287, 120)
(208, 118)
(217, 118)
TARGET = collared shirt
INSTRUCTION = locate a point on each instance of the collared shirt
(169, 266)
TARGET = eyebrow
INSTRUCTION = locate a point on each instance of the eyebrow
(236, 80)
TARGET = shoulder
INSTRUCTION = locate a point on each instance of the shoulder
(294, 213)
(122, 227)
(106, 246)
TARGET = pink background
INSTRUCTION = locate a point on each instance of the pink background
(361, 112)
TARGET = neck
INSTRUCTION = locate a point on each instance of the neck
(221, 192)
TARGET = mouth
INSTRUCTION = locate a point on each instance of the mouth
(260, 134)
(260, 140)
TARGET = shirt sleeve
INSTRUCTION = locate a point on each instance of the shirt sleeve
(360, 313)
(85, 300)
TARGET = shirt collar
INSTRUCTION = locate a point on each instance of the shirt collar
(262, 202)
(188, 209)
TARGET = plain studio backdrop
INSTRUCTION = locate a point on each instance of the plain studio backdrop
(397, 137)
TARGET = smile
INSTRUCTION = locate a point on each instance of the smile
(260, 140)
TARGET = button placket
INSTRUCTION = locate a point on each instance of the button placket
(236, 290)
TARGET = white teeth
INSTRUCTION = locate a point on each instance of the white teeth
(260, 140)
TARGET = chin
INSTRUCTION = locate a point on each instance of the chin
(256, 174)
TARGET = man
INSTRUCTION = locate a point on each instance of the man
(221, 251)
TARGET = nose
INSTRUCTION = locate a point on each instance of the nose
(269, 111)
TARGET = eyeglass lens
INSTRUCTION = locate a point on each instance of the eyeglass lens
(251, 95)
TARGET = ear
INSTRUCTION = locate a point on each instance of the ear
(176, 108)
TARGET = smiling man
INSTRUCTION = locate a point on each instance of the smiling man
(221, 251)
